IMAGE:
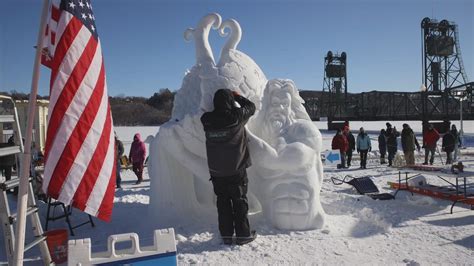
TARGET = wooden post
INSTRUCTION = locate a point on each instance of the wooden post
(25, 162)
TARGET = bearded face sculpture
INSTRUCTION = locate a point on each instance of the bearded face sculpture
(288, 174)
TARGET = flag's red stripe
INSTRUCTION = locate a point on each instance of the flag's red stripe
(65, 41)
(55, 13)
(95, 165)
(105, 210)
(67, 94)
(77, 138)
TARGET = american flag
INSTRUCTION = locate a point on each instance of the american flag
(80, 148)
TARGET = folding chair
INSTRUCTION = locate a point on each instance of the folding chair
(365, 186)
(66, 213)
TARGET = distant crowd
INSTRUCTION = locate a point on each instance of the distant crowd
(346, 143)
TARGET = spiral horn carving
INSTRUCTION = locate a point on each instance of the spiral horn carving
(201, 37)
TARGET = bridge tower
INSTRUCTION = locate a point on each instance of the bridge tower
(334, 94)
(443, 67)
(335, 74)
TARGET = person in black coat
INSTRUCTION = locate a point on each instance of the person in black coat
(457, 141)
(392, 144)
(350, 138)
(8, 161)
(228, 158)
(119, 150)
(448, 144)
(382, 146)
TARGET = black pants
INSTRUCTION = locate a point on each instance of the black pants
(391, 156)
(349, 157)
(449, 157)
(343, 160)
(429, 150)
(232, 205)
(363, 158)
(118, 176)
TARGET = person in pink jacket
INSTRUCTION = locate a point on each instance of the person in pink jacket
(137, 156)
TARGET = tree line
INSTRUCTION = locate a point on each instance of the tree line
(130, 110)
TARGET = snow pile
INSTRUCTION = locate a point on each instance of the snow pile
(412, 229)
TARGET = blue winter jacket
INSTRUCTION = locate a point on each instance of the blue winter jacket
(363, 142)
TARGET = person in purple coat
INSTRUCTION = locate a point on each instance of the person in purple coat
(137, 157)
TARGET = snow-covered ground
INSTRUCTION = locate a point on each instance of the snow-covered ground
(409, 230)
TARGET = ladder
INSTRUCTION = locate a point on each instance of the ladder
(8, 218)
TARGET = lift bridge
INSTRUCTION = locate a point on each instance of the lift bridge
(446, 90)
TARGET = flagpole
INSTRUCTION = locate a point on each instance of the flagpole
(26, 159)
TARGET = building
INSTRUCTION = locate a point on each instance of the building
(40, 124)
(7, 113)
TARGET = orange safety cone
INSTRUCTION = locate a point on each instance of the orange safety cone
(57, 241)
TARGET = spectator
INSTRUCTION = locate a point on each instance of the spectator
(448, 144)
(382, 146)
(339, 142)
(36, 159)
(389, 127)
(137, 156)
(457, 141)
(119, 153)
(228, 158)
(392, 143)
(346, 124)
(363, 147)
(408, 144)
(430, 138)
(8, 161)
(351, 140)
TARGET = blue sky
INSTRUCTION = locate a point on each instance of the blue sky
(144, 49)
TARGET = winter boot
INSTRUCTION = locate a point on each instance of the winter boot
(246, 240)
(227, 240)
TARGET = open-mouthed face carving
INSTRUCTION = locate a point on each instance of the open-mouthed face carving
(280, 109)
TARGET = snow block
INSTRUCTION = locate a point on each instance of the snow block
(163, 251)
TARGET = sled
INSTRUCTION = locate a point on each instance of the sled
(364, 186)
(439, 192)
(456, 188)
(126, 164)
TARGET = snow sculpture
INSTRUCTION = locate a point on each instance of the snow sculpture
(178, 164)
(288, 172)
(180, 187)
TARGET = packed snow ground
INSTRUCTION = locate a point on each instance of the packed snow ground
(409, 230)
